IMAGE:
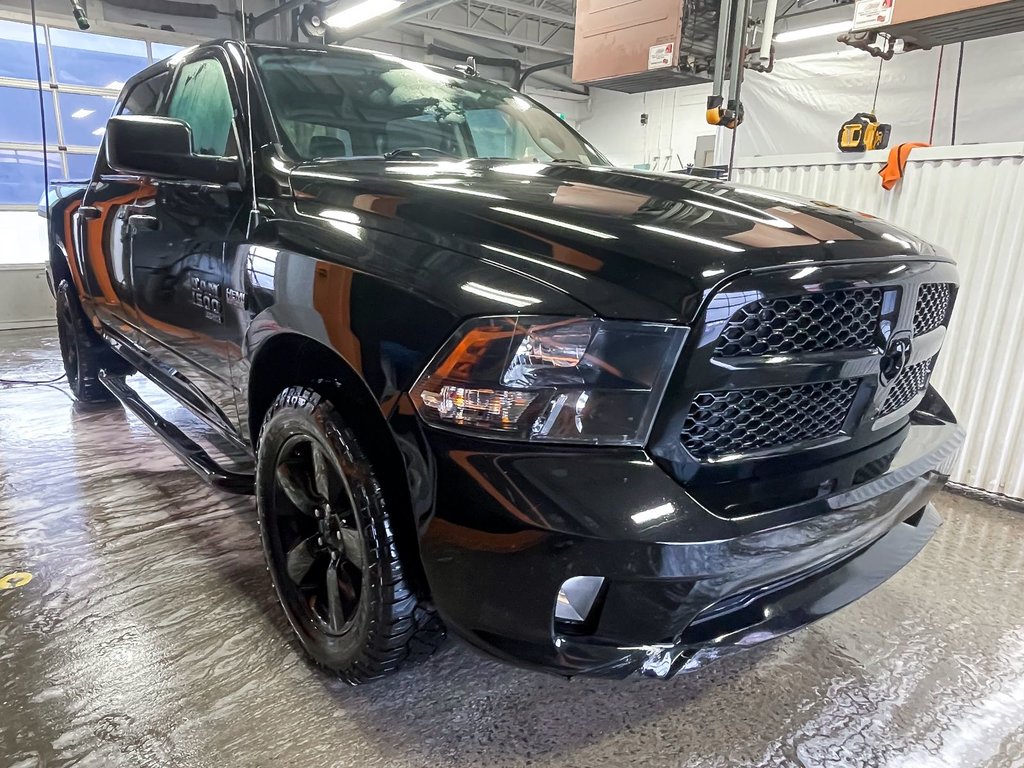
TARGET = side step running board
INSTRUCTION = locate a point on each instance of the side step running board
(189, 451)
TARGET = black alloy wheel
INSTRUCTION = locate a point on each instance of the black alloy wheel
(326, 527)
(319, 534)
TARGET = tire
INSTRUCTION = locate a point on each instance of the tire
(84, 353)
(327, 537)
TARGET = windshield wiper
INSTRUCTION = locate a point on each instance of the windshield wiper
(417, 153)
(552, 161)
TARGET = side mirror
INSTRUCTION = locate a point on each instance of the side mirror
(161, 147)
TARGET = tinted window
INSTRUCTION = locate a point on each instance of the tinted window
(313, 140)
(422, 131)
(201, 98)
(494, 134)
(491, 134)
(386, 103)
(144, 98)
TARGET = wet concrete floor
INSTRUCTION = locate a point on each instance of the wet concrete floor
(149, 636)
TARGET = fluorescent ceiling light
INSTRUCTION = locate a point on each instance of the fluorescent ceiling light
(78, 114)
(114, 85)
(360, 12)
(99, 131)
(822, 30)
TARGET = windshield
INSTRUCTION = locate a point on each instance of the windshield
(336, 104)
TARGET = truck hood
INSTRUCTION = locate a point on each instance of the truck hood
(626, 243)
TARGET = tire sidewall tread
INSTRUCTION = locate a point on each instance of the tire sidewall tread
(394, 627)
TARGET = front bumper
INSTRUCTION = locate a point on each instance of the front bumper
(683, 586)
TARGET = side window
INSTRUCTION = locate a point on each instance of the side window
(144, 98)
(201, 98)
(492, 134)
(495, 135)
(313, 140)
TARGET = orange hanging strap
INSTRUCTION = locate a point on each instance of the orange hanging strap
(897, 165)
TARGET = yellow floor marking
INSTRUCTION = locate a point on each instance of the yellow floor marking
(15, 580)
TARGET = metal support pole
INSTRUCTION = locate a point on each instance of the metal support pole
(739, 41)
(722, 49)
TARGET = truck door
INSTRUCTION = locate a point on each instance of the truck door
(100, 241)
(178, 230)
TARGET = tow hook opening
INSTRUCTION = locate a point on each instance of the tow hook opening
(915, 519)
(578, 605)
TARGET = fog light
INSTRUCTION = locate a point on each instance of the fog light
(576, 598)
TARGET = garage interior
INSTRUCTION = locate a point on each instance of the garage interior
(138, 624)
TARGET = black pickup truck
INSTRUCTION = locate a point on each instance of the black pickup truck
(592, 420)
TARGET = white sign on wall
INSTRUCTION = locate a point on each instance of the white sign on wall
(659, 56)
(869, 14)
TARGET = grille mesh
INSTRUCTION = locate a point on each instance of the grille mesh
(912, 382)
(932, 308)
(816, 322)
(743, 420)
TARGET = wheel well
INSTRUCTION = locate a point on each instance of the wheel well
(290, 360)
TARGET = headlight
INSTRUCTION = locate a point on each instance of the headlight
(550, 379)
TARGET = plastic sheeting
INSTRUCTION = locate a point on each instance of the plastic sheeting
(967, 200)
(802, 104)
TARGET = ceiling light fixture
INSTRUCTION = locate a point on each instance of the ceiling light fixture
(360, 12)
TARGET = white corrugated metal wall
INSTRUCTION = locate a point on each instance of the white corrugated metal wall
(968, 200)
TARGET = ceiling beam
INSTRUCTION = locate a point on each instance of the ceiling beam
(529, 10)
(492, 36)
(550, 77)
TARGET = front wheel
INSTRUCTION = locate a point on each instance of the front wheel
(327, 536)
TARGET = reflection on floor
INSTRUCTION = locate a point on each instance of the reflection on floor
(149, 636)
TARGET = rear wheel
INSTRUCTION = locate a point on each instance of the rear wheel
(327, 537)
(84, 353)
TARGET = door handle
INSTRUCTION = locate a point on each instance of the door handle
(140, 223)
(89, 212)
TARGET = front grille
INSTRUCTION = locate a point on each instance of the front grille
(912, 382)
(815, 322)
(737, 421)
(933, 305)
